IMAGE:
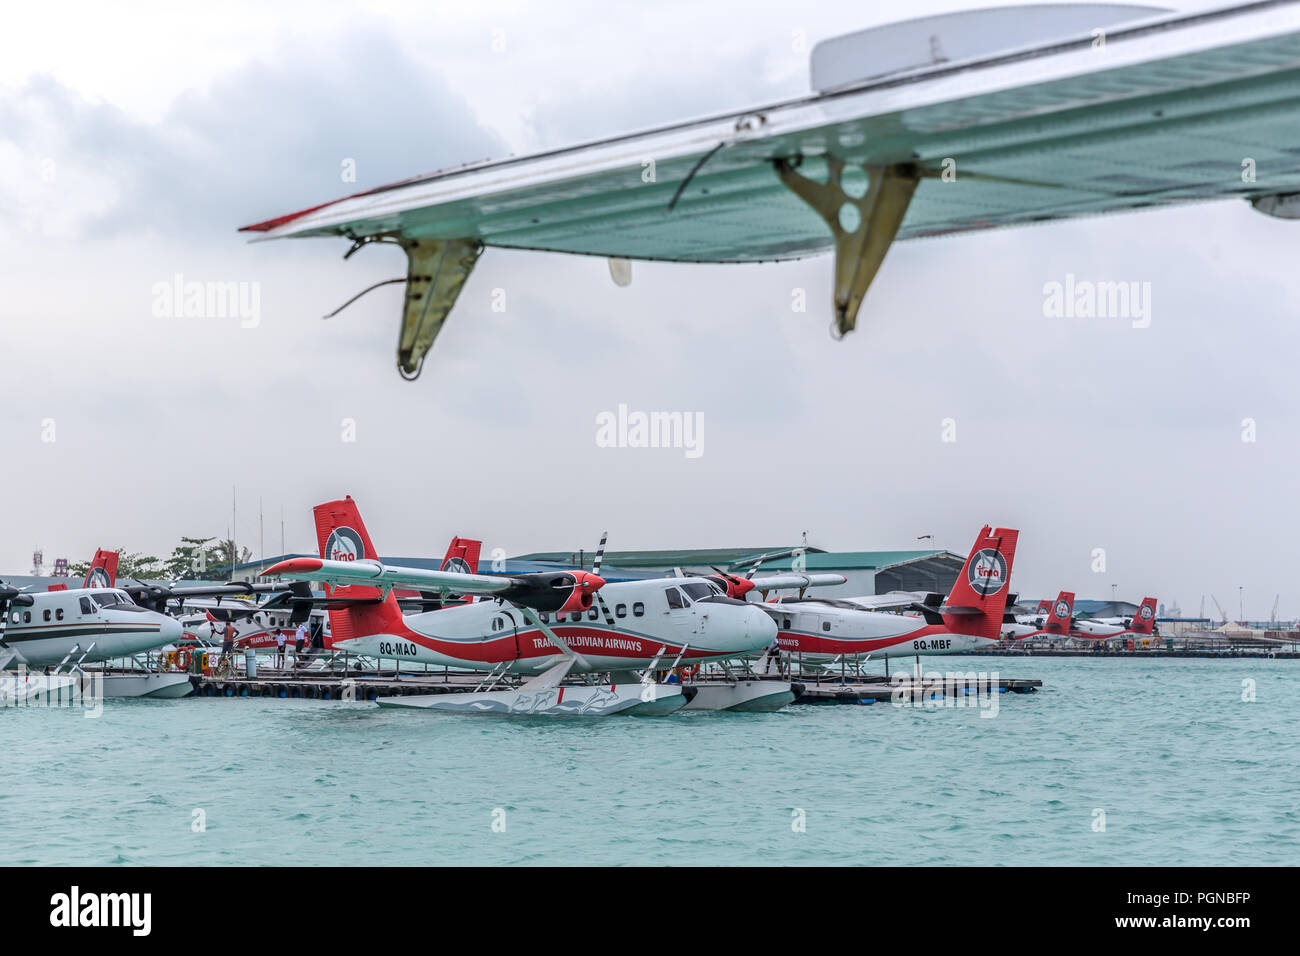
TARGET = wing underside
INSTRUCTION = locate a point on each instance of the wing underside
(1192, 107)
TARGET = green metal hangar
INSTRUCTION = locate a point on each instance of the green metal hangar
(868, 572)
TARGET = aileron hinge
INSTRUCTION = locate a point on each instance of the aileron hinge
(864, 231)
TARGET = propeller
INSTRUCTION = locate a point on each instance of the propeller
(595, 569)
(736, 587)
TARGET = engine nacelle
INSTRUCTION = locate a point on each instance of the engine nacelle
(564, 592)
(579, 600)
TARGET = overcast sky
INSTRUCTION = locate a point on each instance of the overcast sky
(133, 145)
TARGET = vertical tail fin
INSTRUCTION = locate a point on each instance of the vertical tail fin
(342, 536)
(340, 532)
(1044, 608)
(1061, 614)
(984, 583)
(102, 572)
(462, 556)
(1144, 621)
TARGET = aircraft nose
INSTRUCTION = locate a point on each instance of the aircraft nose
(170, 629)
(759, 627)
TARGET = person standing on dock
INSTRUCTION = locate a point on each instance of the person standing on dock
(223, 630)
(279, 648)
(317, 638)
(299, 642)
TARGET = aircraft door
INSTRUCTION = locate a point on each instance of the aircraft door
(679, 614)
(512, 621)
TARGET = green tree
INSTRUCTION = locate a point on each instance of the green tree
(195, 559)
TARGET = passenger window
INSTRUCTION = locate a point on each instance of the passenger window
(16, 617)
(546, 618)
(496, 623)
(592, 614)
(47, 615)
(638, 609)
(620, 610)
(826, 625)
(27, 617)
(675, 599)
(58, 614)
(785, 623)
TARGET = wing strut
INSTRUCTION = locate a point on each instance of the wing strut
(858, 251)
(436, 271)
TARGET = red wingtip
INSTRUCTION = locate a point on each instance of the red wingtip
(289, 217)
(293, 566)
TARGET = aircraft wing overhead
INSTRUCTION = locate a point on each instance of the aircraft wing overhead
(377, 575)
(891, 600)
(796, 579)
(1170, 109)
(560, 591)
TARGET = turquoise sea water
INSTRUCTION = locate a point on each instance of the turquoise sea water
(1185, 771)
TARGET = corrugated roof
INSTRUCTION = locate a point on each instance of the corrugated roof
(854, 560)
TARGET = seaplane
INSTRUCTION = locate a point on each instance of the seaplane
(943, 125)
(106, 620)
(827, 631)
(1061, 622)
(546, 626)
(206, 618)
(77, 626)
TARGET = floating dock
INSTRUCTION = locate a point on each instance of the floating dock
(864, 689)
(1255, 653)
(870, 689)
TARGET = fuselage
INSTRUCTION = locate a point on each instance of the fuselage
(103, 621)
(1085, 630)
(827, 630)
(254, 627)
(659, 619)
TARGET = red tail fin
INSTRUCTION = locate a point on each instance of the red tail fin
(462, 556)
(340, 532)
(342, 536)
(1144, 621)
(1044, 607)
(984, 583)
(102, 572)
(1061, 613)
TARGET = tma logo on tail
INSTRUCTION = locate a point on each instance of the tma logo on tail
(344, 544)
(988, 572)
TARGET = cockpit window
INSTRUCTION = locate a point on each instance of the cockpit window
(699, 590)
(675, 598)
(109, 598)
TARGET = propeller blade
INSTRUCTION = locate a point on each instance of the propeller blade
(604, 610)
(600, 553)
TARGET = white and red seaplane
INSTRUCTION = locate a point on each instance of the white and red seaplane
(547, 626)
